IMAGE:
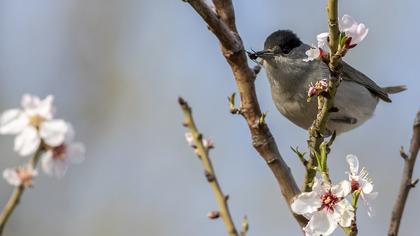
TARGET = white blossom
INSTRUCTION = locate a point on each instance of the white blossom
(56, 159)
(357, 31)
(32, 123)
(20, 175)
(312, 54)
(361, 181)
(325, 207)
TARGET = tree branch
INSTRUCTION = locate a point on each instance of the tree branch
(203, 152)
(232, 48)
(407, 182)
(16, 195)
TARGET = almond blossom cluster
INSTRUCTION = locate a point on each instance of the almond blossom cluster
(36, 130)
(351, 34)
(326, 206)
(319, 87)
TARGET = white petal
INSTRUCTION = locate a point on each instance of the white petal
(312, 54)
(13, 121)
(306, 202)
(353, 162)
(367, 198)
(53, 132)
(69, 134)
(45, 108)
(322, 39)
(322, 223)
(53, 167)
(367, 187)
(317, 187)
(11, 177)
(76, 152)
(342, 189)
(33, 105)
(27, 142)
(346, 213)
(60, 167)
(346, 22)
(47, 162)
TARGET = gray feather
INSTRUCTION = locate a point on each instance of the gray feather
(351, 74)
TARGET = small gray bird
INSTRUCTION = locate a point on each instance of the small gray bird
(290, 78)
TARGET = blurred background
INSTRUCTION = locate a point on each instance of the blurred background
(116, 69)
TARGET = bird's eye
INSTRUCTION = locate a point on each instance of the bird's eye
(285, 50)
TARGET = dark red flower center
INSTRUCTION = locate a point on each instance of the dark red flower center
(354, 185)
(329, 200)
(59, 151)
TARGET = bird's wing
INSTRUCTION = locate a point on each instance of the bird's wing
(351, 74)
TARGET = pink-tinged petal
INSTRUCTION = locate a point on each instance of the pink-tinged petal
(353, 162)
(306, 203)
(342, 189)
(27, 142)
(13, 121)
(346, 22)
(60, 168)
(53, 132)
(11, 177)
(321, 223)
(360, 34)
(76, 153)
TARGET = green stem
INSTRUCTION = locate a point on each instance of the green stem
(325, 103)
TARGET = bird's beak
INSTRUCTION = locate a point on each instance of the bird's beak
(264, 54)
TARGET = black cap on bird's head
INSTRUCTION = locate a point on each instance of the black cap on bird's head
(286, 40)
(278, 42)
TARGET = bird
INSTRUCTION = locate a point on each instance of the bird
(290, 76)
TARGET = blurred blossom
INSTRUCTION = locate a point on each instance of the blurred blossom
(56, 160)
(207, 143)
(20, 175)
(32, 123)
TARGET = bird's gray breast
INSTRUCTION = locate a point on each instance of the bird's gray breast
(289, 79)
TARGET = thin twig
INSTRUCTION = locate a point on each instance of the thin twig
(16, 195)
(407, 182)
(232, 48)
(210, 174)
(325, 103)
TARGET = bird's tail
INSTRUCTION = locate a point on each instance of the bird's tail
(394, 89)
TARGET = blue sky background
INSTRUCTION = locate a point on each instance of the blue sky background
(116, 69)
